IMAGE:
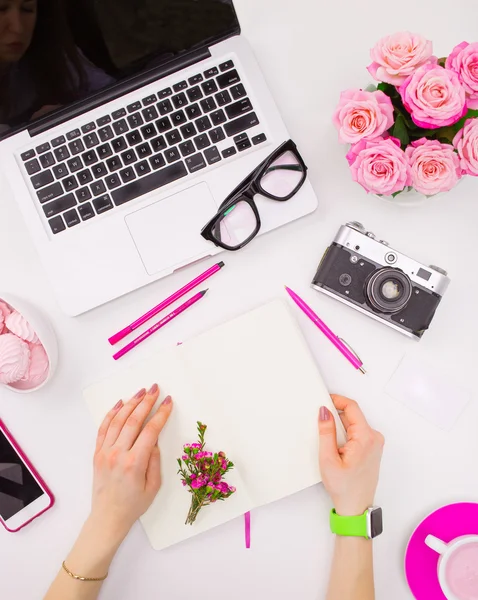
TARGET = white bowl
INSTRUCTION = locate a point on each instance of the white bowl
(45, 334)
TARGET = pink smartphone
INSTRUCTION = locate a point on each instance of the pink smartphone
(24, 495)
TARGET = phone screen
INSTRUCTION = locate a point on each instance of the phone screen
(18, 487)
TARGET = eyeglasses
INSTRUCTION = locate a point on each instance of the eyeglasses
(279, 178)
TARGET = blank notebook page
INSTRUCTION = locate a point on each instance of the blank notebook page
(254, 382)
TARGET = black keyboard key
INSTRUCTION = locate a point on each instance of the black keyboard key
(98, 188)
(149, 100)
(134, 137)
(58, 141)
(128, 174)
(150, 114)
(88, 127)
(70, 183)
(134, 107)
(85, 177)
(178, 118)
(114, 164)
(212, 155)
(50, 192)
(157, 161)
(258, 139)
(164, 93)
(217, 117)
(209, 87)
(47, 160)
(203, 124)
(194, 94)
(29, 154)
(195, 163)
(103, 204)
(238, 91)
(243, 144)
(241, 124)
(172, 154)
(187, 148)
(72, 135)
(71, 218)
(202, 141)
(119, 144)
(102, 121)
(193, 111)
(158, 144)
(89, 158)
(86, 211)
(119, 113)
(129, 157)
(106, 133)
(148, 131)
(99, 170)
(239, 108)
(142, 168)
(149, 183)
(91, 140)
(196, 79)
(113, 181)
(144, 150)
(43, 148)
(57, 225)
(217, 135)
(76, 147)
(75, 164)
(135, 120)
(180, 100)
(60, 171)
(211, 72)
(188, 130)
(229, 78)
(42, 179)
(223, 98)
(58, 206)
(62, 153)
(83, 194)
(173, 137)
(165, 107)
(182, 85)
(163, 124)
(120, 127)
(104, 151)
(225, 66)
(208, 104)
(32, 166)
(229, 152)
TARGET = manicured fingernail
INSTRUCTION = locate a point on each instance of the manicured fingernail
(141, 393)
(167, 401)
(324, 413)
(118, 405)
(154, 389)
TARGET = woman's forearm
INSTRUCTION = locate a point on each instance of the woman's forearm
(352, 570)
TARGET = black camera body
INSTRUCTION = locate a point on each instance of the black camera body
(386, 285)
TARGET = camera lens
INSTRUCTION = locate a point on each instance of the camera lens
(389, 290)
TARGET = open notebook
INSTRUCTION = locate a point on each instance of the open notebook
(254, 382)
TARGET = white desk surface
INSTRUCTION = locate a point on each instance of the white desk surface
(309, 52)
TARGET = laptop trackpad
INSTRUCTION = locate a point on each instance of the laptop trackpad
(168, 232)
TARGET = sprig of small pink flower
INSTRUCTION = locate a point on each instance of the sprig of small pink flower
(202, 472)
(418, 128)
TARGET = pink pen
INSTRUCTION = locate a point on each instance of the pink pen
(329, 334)
(114, 339)
(159, 324)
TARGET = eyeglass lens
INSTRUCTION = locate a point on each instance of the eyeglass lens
(283, 176)
(237, 225)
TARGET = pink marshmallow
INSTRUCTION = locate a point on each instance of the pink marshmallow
(14, 358)
(20, 327)
(39, 367)
(4, 312)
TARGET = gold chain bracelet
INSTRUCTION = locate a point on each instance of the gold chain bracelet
(79, 578)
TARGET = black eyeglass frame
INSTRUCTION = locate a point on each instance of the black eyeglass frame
(247, 189)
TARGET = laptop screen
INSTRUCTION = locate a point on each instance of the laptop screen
(56, 52)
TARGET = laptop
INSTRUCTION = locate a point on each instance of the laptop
(123, 126)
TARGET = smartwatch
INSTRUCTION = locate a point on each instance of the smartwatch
(369, 525)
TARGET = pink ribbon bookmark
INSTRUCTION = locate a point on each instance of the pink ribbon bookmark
(247, 523)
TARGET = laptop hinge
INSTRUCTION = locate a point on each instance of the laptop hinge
(118, 90)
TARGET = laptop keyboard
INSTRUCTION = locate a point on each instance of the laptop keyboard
(142, 147)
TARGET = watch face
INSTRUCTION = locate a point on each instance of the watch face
(376, 522)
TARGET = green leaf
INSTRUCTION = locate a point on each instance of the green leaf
(442, 61)
(400, 131)
(371, 88)
(388, 89)
(395, 194)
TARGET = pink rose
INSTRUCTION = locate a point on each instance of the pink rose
(466, 142)
(380, 166)
(362, 115)
(396, 57)
(434, 97)
(464, 61)
(435, 167)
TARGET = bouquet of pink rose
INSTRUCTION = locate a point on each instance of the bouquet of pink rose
(417, 129)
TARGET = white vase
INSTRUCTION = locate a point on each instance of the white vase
(408, 197)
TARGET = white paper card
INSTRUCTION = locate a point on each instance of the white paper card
(254, 382)
(428, 391)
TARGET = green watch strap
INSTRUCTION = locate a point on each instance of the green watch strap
(349, 526)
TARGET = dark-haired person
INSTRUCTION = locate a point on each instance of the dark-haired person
(127, 477)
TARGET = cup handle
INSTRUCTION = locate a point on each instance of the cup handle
(435, 544)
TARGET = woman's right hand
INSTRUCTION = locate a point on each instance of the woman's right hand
(350, 474)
